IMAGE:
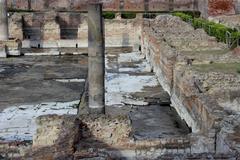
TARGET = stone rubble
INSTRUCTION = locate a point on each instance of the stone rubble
(200, 75)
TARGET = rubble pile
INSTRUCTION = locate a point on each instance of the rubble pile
(182, 36)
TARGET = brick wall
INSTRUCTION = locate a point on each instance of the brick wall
(218, 7)
(110, 5)
(206, 7)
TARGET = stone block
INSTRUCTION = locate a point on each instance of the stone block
(56, 137)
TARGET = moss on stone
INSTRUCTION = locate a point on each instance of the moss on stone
(232, 68)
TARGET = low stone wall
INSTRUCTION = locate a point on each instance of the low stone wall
(174, 48)
(102, 137)
(69, 137)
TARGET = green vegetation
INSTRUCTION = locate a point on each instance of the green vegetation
(213, 29)
(233, 68)
(128, 15)
(195, 14)
(108, 15)
(183, 16)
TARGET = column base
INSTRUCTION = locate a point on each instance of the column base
(97, 110)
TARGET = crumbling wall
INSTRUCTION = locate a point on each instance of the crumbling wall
(175, 50)
(92, 136)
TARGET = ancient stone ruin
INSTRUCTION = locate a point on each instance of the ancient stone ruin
(119, 79)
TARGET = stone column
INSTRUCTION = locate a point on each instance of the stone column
(3, 20)
(96, 64)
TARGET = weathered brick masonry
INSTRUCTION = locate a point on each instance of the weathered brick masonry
(207, 7)
(216, 7)
(113, 5)
(172, 48)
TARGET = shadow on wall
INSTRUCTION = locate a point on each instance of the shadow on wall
(33, 29)
(69, 25)
(33, 26)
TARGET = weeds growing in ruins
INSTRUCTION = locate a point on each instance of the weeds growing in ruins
(128, 15)
(221, 32)
(124, 15)
(232, 68)
(109, 15)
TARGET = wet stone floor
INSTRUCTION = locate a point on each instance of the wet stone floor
(132, 89)
(38, 85)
